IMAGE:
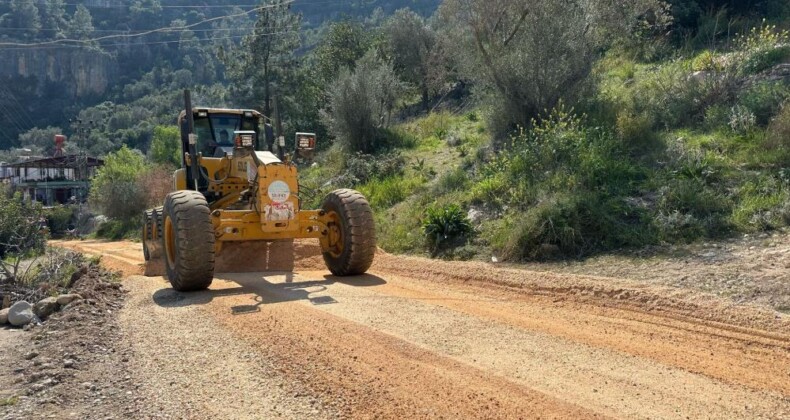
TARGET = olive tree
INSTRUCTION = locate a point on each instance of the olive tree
(527, 55)
(361, 103)
(416, 53)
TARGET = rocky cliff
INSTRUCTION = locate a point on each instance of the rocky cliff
(82, 72)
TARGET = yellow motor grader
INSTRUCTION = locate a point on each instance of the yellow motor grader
(235, 204)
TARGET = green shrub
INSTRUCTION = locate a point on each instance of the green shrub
(742, 119)
(764, 100)
(60, 219)
(717, 116)
(675, 100)
(777, 139)
(692, 196)
(436, 124)
(637, 134)
(22, 235)
(361, 104)
(574, 225)
(361, 168)
(396, 138)
(454, 180)
(490, 190)
(678, 227)
(763, 60)
(443, 224)
(762, 48)
(166, 146)
(117, 189)
(119, 229)
(706, 61)
(760, 204)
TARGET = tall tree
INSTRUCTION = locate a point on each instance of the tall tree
(81, 25)
(530, 54)
(361, 103)
(412, 43)
(24, 16)
(345, 43)
(55, 21)
(265, 57)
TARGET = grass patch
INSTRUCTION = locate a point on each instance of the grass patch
(386, 192)
(117, 230)
(9, 402)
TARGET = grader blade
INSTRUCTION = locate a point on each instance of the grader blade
(155, 267)
(255, 256)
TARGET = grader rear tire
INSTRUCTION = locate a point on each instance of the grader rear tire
(352, 235)
(188, 237)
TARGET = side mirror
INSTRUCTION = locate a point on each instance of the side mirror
(305, 146)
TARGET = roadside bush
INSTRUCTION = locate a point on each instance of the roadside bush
(760, 204)
(706, 61)
(717, 116)
(22, 235)
(676, 227)
(117, 189)
(676, 100)
(574, 225)
(119, 229)
(60, 219)
(157, 182)
(490, 190)
(361, 168)
(444, 224)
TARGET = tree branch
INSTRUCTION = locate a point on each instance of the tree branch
(517, 27)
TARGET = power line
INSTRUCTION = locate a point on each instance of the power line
(187, 6)
(20, 108)
(136, 44)
(152, 31)
(124, 30)
(19, 118)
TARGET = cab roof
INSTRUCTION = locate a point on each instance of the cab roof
(210, 111)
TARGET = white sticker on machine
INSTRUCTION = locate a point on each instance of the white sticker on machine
(279, 191)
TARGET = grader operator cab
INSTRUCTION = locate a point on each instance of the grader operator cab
(235, 204)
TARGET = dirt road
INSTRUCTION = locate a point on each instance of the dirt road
(418, 338)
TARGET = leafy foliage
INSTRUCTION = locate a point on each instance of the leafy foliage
(22, 234)
(442, 224)
(529, 56)
(166, 146)
(361, 104)
(116, 189)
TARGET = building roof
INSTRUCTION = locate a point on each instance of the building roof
(67, 161)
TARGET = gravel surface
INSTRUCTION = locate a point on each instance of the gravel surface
(419, 338)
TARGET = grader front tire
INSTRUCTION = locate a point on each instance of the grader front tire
(352, 236)
(188, 237)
